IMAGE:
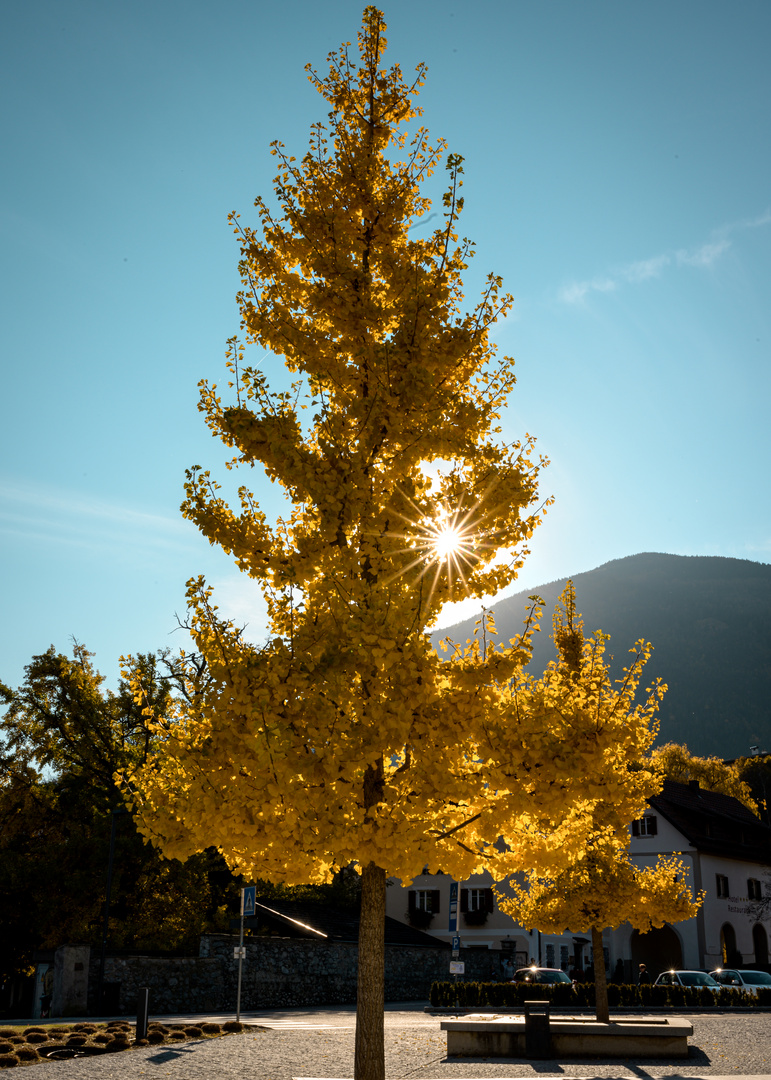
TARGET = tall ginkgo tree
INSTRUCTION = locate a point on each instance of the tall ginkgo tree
(344, 738)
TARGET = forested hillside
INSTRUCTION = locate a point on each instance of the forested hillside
(709, 619)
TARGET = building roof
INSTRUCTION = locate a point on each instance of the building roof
(714, 823)
(291, 918)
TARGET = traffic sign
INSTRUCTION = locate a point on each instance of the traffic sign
(239, 952)
(457, 967)
(248, 899)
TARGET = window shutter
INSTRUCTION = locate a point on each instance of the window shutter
(653, 826)
(635, 828)
(489, 901)
(411, 897)
(435, 901)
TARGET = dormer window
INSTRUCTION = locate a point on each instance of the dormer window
(645, 826)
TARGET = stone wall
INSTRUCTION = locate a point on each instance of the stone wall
(176, 984)
(277, 973)
(291, 971)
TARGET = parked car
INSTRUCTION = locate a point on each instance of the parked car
(541, 975)
(742, 979)
(687, 978)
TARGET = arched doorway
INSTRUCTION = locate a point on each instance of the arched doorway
(730, 954)
(658, 950)
(760, 945)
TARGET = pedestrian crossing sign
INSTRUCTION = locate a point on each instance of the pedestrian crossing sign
(248, 899)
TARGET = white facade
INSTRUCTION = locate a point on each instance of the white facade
(725, 850)
(511, 946)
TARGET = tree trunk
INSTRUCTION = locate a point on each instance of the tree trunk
(369, 1063)
(600, 979)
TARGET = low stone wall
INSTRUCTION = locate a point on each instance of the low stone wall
(277, 972)
(176, 984)
(293, 971)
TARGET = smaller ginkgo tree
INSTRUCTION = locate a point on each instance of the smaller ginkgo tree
(602, 888)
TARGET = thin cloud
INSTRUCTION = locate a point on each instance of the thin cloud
(39, 513)
(702, 257)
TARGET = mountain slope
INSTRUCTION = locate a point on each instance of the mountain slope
(709, 619)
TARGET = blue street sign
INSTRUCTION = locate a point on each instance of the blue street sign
(453, 906)
(248, 898)
(456, 942)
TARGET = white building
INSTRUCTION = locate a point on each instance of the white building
(725, 849)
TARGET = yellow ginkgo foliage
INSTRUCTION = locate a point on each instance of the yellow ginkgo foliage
(345, 738)
(602, 887)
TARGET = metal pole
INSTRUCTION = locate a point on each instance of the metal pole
(143, 1012)
(240, 957)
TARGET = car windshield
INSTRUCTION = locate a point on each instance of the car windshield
(756, 978)
(696, 978)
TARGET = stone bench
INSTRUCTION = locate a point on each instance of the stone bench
(503, 1036)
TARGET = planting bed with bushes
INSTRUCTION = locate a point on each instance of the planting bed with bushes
(31, 1045)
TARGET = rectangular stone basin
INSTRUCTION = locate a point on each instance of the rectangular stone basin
(503, 1036)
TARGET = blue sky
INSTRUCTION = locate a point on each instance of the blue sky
(617, 169)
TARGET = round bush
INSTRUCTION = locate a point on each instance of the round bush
(76, 1040)
(156, 1037)
(34, 1030)
(232, 1025)
(5, 1032)
(36, 1037)
(87, 1028)
(193, 1032)
(176, 1036)
(211, 1029)
(7, 1061)
(27, 1053)
(18, 1040)
(102, 1037)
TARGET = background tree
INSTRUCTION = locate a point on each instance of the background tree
(344, 738)
(62, 738)
(602, 887)
(675, 762)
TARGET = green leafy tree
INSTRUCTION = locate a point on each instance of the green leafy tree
(63, 737)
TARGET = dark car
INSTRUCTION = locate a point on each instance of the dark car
(541, 975)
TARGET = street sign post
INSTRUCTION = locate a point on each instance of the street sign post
(455, 946)
(248, 901)
(453, 907)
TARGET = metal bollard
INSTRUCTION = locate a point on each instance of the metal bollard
(537, 1030)
(143, 1012)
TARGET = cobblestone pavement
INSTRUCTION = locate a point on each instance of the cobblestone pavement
(301, 1044)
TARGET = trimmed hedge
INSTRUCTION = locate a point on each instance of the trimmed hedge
(506, 995)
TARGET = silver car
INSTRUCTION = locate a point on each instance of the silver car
(742, 979)
(687, 978)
